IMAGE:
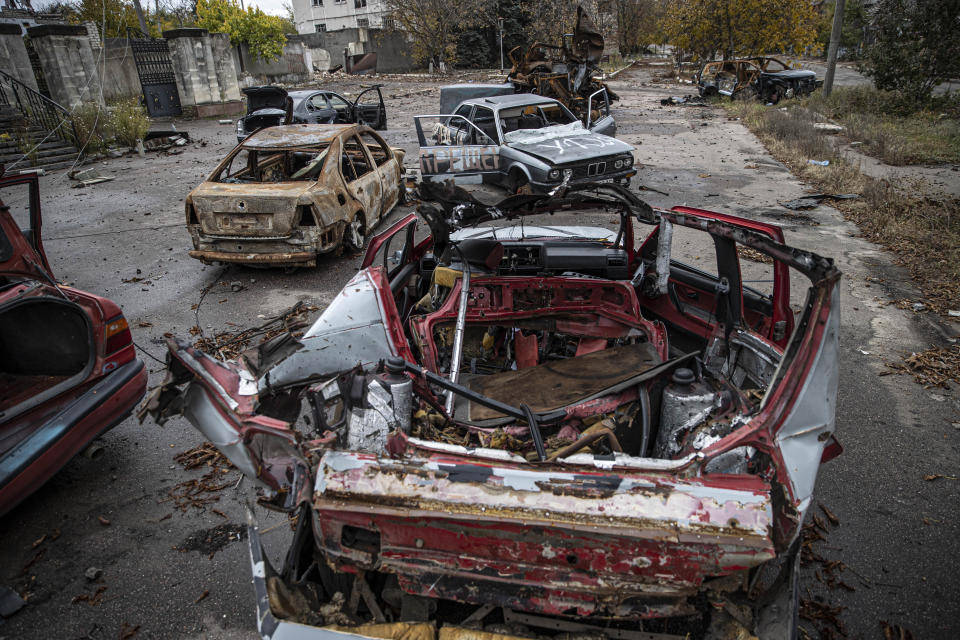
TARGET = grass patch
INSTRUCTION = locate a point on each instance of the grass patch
(97, 127)
(922, 232)
(892, 129)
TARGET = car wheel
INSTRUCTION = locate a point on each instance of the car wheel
(355, 235)
(518, 182)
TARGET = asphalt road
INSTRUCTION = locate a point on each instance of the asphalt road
(184, 574)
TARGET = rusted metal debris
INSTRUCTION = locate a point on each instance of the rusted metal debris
(566, 72)
(228, 345)
(935, 367)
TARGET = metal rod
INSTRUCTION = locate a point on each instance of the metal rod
(535, 432)
(458, 332)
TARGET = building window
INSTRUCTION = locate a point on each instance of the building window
(340, 1)
(322, 27)
(359, 4)
(318, 3)
(363, 23)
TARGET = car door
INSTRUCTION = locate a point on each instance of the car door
(388, 166)
(362, 178)
(373, 112)
(319, 110)
(453, 147)
(712, 290)
(21, 243)
(599, 119)
(342, 108)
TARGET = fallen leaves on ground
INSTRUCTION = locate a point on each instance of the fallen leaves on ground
(752, 254)
(938, 476)
(93, 599)
(934, 367)
(894, 631)
(199, 492)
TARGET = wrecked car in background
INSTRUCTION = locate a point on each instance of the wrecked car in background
(519, 430)
(568, 72)
(289, 193)
(767, 79)
(68, 369)
(522, 142)
(270, 106)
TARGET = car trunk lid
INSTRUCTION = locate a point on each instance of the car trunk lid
(249, 210)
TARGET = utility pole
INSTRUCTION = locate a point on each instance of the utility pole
(140, 19)
(834, 46)
(500, 24)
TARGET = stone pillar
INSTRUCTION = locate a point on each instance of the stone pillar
(223, 63)
(13, 55)
(69, 63)
(190, 64)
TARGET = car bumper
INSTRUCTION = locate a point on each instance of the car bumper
(287, 258)
(621, 177)
(35, 460)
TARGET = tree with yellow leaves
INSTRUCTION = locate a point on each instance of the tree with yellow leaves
(740, 28)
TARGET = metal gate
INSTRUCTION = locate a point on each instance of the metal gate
(155, 68)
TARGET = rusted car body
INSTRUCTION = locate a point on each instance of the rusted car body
(287, 194)
(767, 79)
(68, 369)
(506, 428)
(566, 72)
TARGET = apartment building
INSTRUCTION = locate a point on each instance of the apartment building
(318, 16)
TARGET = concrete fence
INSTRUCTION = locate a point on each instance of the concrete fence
(208, 69)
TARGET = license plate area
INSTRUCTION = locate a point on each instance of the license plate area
(244, 223)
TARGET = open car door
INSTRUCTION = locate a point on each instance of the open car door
(21, 244)
(701, 301)
(372, 113)
(599, 119)
(453, 147)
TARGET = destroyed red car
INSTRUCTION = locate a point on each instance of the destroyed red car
(68, 371)
(515, 428)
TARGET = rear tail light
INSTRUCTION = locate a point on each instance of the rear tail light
(117, 335)
(191, 214)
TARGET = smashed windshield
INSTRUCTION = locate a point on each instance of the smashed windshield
(274, 165)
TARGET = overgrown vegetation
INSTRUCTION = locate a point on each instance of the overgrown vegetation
(924, 233)
(740, 28)
(121, 123)
(264, 34)
(895, 129)
(917, 46)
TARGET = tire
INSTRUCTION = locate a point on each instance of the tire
(518, 182)
(355, 235)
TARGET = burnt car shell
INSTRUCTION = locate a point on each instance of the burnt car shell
(769, 79)
(289, 193)
(668, 512)
(68, 369)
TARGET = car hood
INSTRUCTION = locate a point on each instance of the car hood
(562, 144)
(265, 97)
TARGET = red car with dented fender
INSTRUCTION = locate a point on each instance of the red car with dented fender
(68, 370)
(522, 430)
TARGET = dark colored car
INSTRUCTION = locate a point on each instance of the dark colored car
(271, 106)
(68, 370)
(518, 428)
(767, 79)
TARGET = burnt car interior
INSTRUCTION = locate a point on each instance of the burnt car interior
(259, 165)
(534, 117)
(567, 369)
